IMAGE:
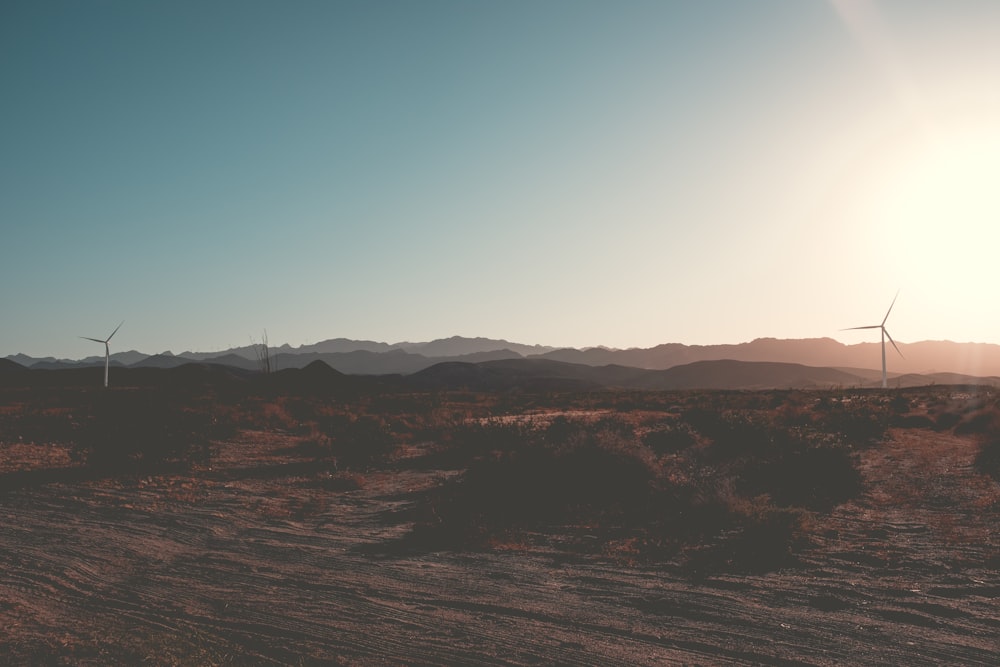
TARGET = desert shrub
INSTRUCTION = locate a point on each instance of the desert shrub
(971, 411)
(433, 426)
(710, 423)
(795, 413)
(669, 438)
(355, 441)
(542, 486)
(275, 415)
(732, 434)
(301, 411)
(803, 470)
(614, 425)
(38, 424)
(473, 440)
(268, 413)
(562, 431)
(946, 419)
(134, 429)
(899, 403)
(795, 467)
(981, 421)
(533, 483)
(806, 466)
(740, 499)
(859, 422)
(988, 459)
(799, 467)
(762, 538)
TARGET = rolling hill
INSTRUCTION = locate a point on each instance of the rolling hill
(542, 374)
(370, 358)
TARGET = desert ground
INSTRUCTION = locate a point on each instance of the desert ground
(213, 525)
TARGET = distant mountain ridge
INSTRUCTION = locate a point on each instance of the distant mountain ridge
(531, 374)
(375, 358)
(537, 373)
(442, 347)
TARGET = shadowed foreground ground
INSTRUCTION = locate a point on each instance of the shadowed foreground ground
(251, 559)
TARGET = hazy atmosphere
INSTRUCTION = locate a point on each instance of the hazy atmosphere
(564, 173)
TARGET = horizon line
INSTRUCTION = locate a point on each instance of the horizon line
(550, 348)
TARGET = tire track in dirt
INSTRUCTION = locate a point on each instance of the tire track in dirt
(917, 527)
(273, 584)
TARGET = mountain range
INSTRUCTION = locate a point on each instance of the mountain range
(375, 358)
(517, 374)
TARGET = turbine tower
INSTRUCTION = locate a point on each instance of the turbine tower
(885, 334)
(107, 349)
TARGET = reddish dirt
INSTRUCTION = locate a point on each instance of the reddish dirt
(255, 560)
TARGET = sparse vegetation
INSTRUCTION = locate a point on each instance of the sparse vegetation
(141, 430)
(356, 441)
(698, 485)
(988, 459)
(730, 478)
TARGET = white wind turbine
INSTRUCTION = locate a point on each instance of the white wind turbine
(107, 349)
(885, 334)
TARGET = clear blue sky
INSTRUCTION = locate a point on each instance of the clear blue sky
(560, 172)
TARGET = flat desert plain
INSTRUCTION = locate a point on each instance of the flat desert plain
(688, 528)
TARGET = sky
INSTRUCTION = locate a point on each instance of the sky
(566, 173)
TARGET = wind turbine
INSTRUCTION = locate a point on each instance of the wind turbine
(107, 349)
(885, 334)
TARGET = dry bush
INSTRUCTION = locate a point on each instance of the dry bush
(728, 480)
(984, 422)
(745, 505)
(38, 424)
(255, 412)
(355, 442)
(732, 433)
(988, 459)
(861, 420)
(274, 415)
(802, 469)
(980, 421)
(968, 411)
(528, 483)
(757, 537)
(141, 429)
(669, 438)
(794, 466)
(470, 441)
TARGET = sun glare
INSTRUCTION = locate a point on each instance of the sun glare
(931, 217)
(926, 202)
(942, 209)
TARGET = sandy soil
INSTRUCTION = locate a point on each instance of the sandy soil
(253, 561)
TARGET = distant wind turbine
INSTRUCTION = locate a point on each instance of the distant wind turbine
(885, 334)
(107, 349)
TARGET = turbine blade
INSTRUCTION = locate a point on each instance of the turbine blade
(93, 339)
(119, 327)
(873, 326)
(892, 341)
(890, 308)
